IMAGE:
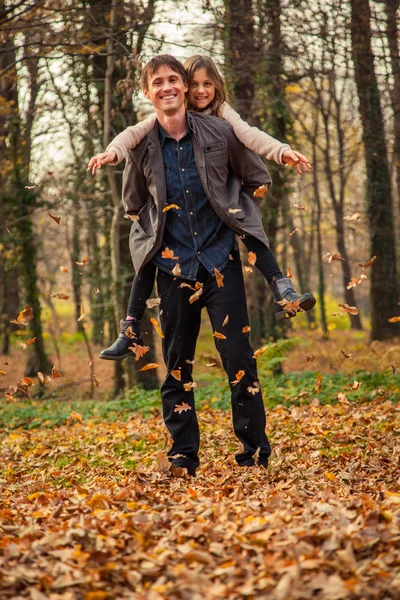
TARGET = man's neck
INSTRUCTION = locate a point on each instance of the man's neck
(175, 124)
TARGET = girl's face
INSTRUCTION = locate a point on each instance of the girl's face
(201, 89)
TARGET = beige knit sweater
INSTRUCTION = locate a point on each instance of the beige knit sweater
(252, 137)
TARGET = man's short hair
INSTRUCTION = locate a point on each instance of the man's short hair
(161, 60)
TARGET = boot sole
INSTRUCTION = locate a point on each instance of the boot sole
(307, 304)
(115, 357)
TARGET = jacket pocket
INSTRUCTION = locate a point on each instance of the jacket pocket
(215, 148)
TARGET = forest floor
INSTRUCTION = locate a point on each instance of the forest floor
(91, 510)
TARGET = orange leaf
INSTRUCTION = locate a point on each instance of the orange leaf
(24, 345)
(176, 270)
(76, 416)
(152, 302)
(54, 373)
(196, 295)
(289, 273)
(63, 269)
(85, 260)
(345, 354)
(3, 373)
(225, 321)
(248, 269)
(171, 206)
(167, 253)
(41, 377)
(156, 326)
(394, 319)
(60, 296)
(352, 310)
(246, 329)
(355, 385)
(179, 408)
(352, 218)
(261, 191)
(310, 357)
(24, 316)
(219, 278)
(293, 232)
(132, 217)
(318, 382)
(253, 390)
(56, 219)
(367, 264)
(176, 373)
(189, 386)
(82, 315)
(184, 284)
(219, 336)
(251, 258)
(149, 366)
(239, 375)
(260, 351)
(139, 350)
(329, 257)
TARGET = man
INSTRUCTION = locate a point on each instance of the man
(195, 163)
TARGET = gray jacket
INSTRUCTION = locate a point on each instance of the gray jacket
(229, 173)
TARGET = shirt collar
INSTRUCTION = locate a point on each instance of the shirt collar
(164, 135)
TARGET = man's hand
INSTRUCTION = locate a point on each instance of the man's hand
(296, 160)
(104, 158)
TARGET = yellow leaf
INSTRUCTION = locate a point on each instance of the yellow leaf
(261, 191)
(251, 258)
(330, 476)
(76, 416)
(246, 329)
(219, 336)
(156, 326)
(171, 206)
(176, 373)
(149, 366)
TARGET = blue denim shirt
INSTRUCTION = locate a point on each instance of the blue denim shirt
(194, 232)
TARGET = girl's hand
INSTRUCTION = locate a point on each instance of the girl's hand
(101, 159)
(296, 160)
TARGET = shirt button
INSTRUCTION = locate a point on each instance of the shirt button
(195, 233)
(181, 148)
(198, 252)
(187, 191)
(183, 169)
(191, 212)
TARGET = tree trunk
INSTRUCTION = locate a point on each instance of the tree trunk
(384, 284)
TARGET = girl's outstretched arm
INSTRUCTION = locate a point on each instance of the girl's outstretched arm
(119, 147)
(262, 143)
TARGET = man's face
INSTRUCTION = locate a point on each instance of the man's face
(166, 90)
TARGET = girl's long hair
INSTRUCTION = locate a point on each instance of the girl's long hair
(205, 62)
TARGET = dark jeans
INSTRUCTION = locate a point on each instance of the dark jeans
(180, 323)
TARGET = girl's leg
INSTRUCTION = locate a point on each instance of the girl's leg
(281, 286)
(140, 292)
(130, 328)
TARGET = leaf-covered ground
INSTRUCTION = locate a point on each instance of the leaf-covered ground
(90, 510)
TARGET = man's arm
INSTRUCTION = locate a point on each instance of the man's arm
(134, 188)
(247, 165)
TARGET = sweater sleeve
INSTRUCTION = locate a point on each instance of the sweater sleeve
(130, 137)
(253, 138)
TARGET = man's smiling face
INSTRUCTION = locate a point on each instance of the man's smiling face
(166, 90)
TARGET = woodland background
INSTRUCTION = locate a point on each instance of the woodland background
(323, 76)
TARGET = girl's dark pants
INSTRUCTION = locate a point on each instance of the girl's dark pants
(180, 323)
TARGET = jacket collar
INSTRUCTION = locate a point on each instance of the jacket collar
(157, 134)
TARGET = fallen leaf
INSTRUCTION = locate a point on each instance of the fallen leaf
(10, 392)
(139, 350)
(63, 269)
(179, 408)
(233, 211)
(152, 302)
(394, 320)
(76, 416)
(355, 385)
(84, 261)
(176, 373)
(169, 206)
(239, 375)
(149, 366)
(342, 398)
(167, 253)
(24, 316)
(352, 218)
(251, 258)
(261, 191)
(246, 329)
(310, 357)
(219, 336)
(219, 278)
(189, 386)
(56, 219)
(352, 310)
(318, 382)
(367, 264)
(225, 321)
(293, 232)
(156, 326)
(330, 476)
(176, 270)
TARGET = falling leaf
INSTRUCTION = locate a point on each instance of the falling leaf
(352, 218)
(84, 261)
(330, 476)
(156, 326)
(248, 269)
(352, 310)
(299, 207)
(219, 278)
(394, 320)
(367, 264)
(149, 366)
(184, 284)
(176, 373)
(355, 385)
(246, 329)
(293, 306)
(3, 373)
(171, 206)
(82, 315)
(353, 282)
(338, 314)
(363, 276)
(179, 408)
(342, 398)
(345, 354)
(318, 383)
(260, 351)
(196, 295)
(239, 375)
(261, 191)
(63, 269)
(310, 357)
(251, 258)
(41, 377)
(60, 296)
(152, 302)
(233, 211)
(253, 390)
(139, 350)
(190, 362)
(289, 273)
(56, 219)
(394, 368)
(132, 217)
(76, 416)
(167, 253)
(189, 386)
(219, 336)
(24, 316)
(176, 270)
(329, 257)
(10, 392)
(96, 290)
(32, 187)
(225, 321)
(24, 345)
(293, 232)
(211, 364)
(54, 373)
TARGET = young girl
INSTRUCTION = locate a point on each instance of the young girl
(206, 94)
